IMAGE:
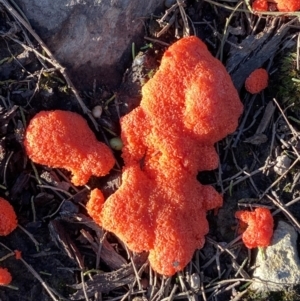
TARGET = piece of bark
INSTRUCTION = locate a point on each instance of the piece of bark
(104, 282)
(108, 253)
(259, 137)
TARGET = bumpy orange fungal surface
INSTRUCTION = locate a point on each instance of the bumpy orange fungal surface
(259, 229)
(282, 5)
(8, 218)
(257, 81)
(63, 139)
(288, 5)
(18, 254)
(5, 277)
(260, 5)
(95, 205)
(160, 207)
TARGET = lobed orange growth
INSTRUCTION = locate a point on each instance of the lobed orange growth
(260, 5)
(288, 5)
(5, 277)
(282, 5)
(257, 81)
(18, 254)
(8, 218)
(187, 106)
(95, 205)
(63, 139)
(260, 227)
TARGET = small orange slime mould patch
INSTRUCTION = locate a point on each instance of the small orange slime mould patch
(259, 229)
(63, 139)
(282, 5)
(5, 277)
(257, 81)
(8, 218)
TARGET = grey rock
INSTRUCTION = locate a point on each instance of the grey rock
(92, 38)
(195, 281)
(283, 163)
(280, 267)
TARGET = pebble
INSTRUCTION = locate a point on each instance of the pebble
(279, 268)
(283, 163)
(195, 281)
(97, 111)
(116, 143)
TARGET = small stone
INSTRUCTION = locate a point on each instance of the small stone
(97, 111)
(116, 143)
(195, 281)
(257, 139)
(280, 266)
(283, 163)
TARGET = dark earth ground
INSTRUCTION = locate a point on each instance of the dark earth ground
(61, 246)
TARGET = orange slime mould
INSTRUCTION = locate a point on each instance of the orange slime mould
(257, 81)
(282, 5)
(288, 5)
(260, 5)
(160, 207)
(63, 139)
(5, 277)
(259, 229)
(8, 218)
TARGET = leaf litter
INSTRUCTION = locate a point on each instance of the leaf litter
(67, 254)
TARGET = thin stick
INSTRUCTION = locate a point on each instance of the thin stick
(280, 178)
(157, 41)
(83, 286)
(37, 244)
(287, 205)
(261, 169)
(295, 134)
(286, 212)
(242, 125)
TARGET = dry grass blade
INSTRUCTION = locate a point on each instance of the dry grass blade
(259, 136)
(186, 27)
(247, 176)
(244, 120)
(225, 32)
(36, 243)
(227, 6)
(287, 205)
(277, 203)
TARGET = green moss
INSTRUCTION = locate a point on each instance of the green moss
(49, 81)
(286, 82)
